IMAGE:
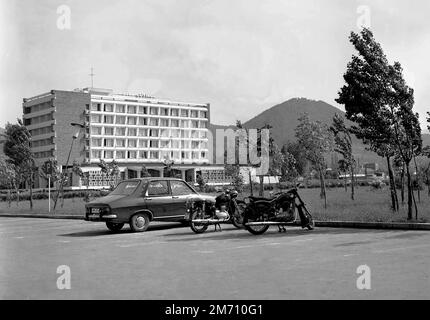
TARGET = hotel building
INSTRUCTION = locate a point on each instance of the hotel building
(133, 130)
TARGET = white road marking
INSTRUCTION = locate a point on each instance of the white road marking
(350, 255)
(18, 237)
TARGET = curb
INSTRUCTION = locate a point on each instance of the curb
(373, 225)
(42, 216)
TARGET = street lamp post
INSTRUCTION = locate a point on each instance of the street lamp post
(75, 136)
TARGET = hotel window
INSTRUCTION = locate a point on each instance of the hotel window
(184, 113)
(195, 134)
(194, 124)
(203, 134)
(153, 122)
(194, 114)
(174, 133)
(120, 131)
(194, 155)
(143, 110)
(132, 154)
(185, 133)
(195, 144)
(120, 143)
(109, 119)
(132, 143)
(174, 112)
(203, 145)
(108, 154)
(185, 144)
(108, 107)
(143, 132)
(131, 132)
(153, 154)
(96, 107)
(164, 122)
(164, 112)
(153, 143)
(143, 143)
(164, 144)
(203, 124)
(153, 132)
(131, 121)
(143, 154)
(120, 154)
(143, 121)
(174, 123)
(109, 143)
(131, 109)
(120, 120)
(96, 154)
(109, 131)
(203, 155)
(96, 118)
(96, 130)
(96, 142)
(120, 108)
(185, 123)
(203, 114)
(175, 144)
(153, 111)
(164, 133)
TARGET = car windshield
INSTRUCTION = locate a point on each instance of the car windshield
(125, 188)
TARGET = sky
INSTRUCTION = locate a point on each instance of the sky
(241, 56)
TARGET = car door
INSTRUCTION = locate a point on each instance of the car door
(180, 193)
(158, 198)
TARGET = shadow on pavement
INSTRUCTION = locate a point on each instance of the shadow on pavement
(126, 230)
(235, 234)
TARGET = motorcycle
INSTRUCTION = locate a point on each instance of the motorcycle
(226, 209)
(284, 209)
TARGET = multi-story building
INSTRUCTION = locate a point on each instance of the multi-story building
(133, 130)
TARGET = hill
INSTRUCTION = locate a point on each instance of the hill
(284, 119)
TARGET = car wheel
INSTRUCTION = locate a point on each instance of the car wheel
(139, 222)
(114, 226)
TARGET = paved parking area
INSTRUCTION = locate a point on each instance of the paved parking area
(171, 262)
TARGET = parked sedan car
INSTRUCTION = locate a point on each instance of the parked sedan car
(140, 201)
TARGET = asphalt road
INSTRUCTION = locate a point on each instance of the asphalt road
(171, 262)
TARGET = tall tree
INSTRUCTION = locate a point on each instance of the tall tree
(377, 98)
(17, 148)
(343, 146)
(317, 140)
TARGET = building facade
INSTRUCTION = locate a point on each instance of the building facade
(136, 131)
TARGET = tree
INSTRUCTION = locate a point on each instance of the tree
(84, 176)
(375, 98)
(344, 168)
(343, 146)
(233, 170)
(144, 172)
(104, 168)
(297, 152)
(316, 140)
(17, 149)
(8, 178)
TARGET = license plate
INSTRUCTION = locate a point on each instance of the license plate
(95, 210)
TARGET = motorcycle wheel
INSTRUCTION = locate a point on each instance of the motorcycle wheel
(198, 227)
(237, 217)
(256, 230)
